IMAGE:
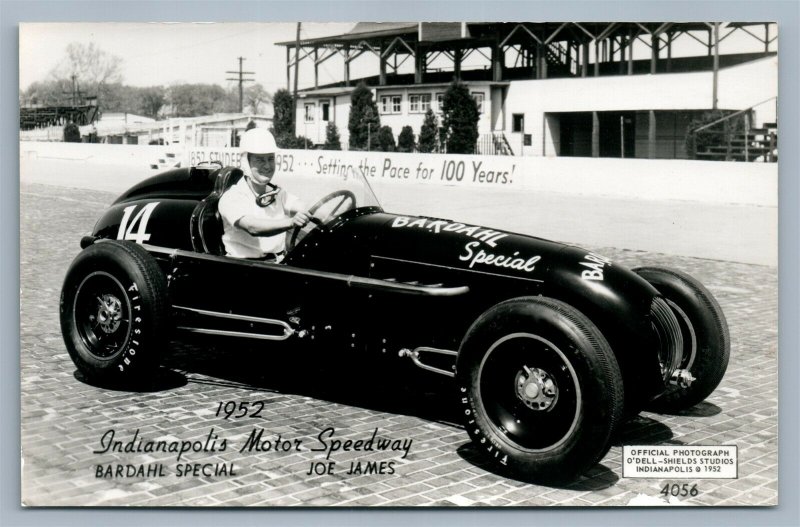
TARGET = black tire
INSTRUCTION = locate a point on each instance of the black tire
(542, 435)
(707, 343)
(114, 311)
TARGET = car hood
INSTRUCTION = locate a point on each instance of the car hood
(452, 244)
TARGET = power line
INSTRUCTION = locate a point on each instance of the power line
(241, 80)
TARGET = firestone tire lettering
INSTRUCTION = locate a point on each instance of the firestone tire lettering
(114, 311)
(557, 427)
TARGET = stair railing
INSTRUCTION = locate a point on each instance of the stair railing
(726, 122)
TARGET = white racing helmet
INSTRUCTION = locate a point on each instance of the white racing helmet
(258, 141)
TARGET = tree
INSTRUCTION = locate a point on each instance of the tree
(405, 141)
(151, 100)
(92, 69)
(428, 132)
(191, 100)
(45, 93)
(364, 121)
(386, 139)
(460, 119)
(255, 97)
(284, 108)
(332, 140)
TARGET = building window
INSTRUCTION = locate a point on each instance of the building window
(391, 103)
(325, 106)
(478, 96)
(419, 103)
(310, 110)
(439, 100)
(518, 122)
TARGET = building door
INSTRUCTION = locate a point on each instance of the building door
(325, 112)
(617, 134)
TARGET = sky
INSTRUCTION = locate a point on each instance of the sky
(166, 53)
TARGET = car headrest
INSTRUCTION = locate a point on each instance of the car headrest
(226, 178)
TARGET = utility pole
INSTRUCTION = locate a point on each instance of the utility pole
(75, 93)
(241, 80)
(296, 60)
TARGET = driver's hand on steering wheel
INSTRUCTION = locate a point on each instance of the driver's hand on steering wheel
(301, 219)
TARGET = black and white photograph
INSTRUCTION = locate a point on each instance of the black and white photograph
(399, 264)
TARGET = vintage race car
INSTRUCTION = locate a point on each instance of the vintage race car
(550, 345)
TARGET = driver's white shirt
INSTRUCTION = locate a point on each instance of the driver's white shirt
(239, 201)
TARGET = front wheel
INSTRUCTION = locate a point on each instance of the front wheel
(113, 311)
(541, 389)
(706, 341)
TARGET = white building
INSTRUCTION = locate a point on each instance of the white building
(549, 89)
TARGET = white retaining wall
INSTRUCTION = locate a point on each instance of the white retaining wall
(701, 181)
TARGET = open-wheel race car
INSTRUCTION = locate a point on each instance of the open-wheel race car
(550, 345)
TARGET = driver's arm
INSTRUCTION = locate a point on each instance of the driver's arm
(293, 205)
(256, 226)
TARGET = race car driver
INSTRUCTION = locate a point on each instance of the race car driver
(256, 213)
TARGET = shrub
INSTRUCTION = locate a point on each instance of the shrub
(72, 134)
(405, 141)
(284, 108)
(332, 140)
(364, 120)
(427, 134)
(460, 119)
(386, 139)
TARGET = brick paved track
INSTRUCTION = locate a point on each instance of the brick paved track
(63, 418)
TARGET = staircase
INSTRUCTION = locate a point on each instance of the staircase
(168, 160)
(559, 61)
(753, 144)
(493, 144)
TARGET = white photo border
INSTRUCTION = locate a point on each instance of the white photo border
(12, 13)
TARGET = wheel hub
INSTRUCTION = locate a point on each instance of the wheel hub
(536, 388)
(109, 313)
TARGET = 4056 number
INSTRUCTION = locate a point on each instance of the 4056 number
(682, 491)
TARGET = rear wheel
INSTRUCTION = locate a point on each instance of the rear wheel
(541, 389)
(114, 311)
(706, 340)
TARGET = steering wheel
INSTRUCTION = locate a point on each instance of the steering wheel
(344, 195)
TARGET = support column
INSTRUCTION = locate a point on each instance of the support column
(288, 68)
(538, 60)
(457, 54)
(316, 67)
(710, 42)
(622, 48)
(569, 56)
(766, 38)
(419, 64)
(669, 51)
(497, 62)
(347, 64)
(655, 42)
(543, 59)
(595, 135)
(596, 58)
(651, 135)
(716, 66)
(630, 52)
(585, 60)
(382, 60)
